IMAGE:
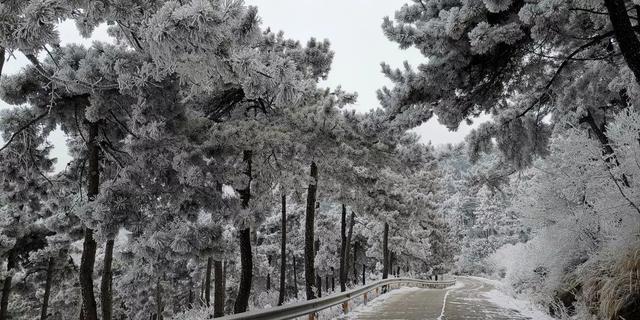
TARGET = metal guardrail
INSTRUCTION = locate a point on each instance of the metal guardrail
(311, 307)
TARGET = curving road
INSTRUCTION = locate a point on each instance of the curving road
(465, 301)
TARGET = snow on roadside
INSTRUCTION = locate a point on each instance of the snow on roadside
(507, 301)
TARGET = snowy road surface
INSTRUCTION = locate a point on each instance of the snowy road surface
(470, 299)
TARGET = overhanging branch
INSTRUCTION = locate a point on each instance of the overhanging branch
(24, 127)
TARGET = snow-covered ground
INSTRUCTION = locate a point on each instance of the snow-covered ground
(501, 298)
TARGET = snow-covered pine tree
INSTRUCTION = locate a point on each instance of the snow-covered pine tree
(24, 167)
(528, 64)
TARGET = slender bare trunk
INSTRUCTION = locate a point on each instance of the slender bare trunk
(319, 286)
(6, 286)
(353, 263)
(246, 266)
(1, 59)
(333, 279)
(318, 277)
(364, 267)
(343, 249)
(47, 289)
(347, 252)
(295, 275)
(326, 283)
(385, 252)
(246, 255)
(207, 282)
(269, 273)
(219, 287)
(106, 297)
(309, 237)
(391, 258)
(283, 251)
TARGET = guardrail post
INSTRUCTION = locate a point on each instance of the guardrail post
(345, 307)
(313, 316)
(365, 298)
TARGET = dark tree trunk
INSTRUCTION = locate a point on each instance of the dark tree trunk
(347, 252)
(246, 255)
(295, 275)
(106, 297)
(207, 282)
(47, 289)
(599, 131)
(87, 261)
(89, 245)
(246, 265)
(391, 258)
(318, 278)
(364, 267)
(333, 279)
(343, 250)
(319, 285)
(385, 252)
(355, 270)
(6, 286)
(219, 296)
(269, 274)
(283, 252)
(1, 59)
(309, 237)
(326, 283)
(625, 34)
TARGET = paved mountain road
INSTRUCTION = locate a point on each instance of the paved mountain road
(465, 301)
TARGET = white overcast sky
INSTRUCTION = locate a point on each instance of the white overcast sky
(354, 29)
(352, 26)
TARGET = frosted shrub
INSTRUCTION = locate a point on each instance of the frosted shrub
(583, 258)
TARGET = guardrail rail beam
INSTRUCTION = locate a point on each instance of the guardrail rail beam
(311, 308)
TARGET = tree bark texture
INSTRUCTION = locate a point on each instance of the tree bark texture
(309, 237)
(89, 246)
(246, 255)
(106, 294)
(283, 251)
